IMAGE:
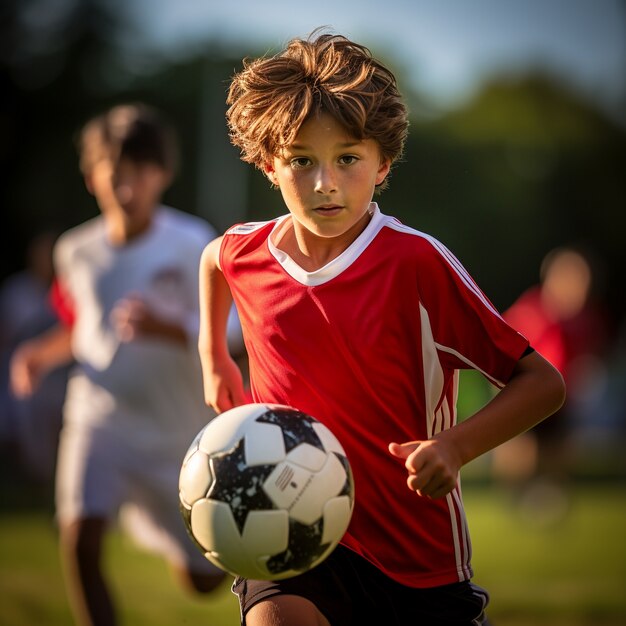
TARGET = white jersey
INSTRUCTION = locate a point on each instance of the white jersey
(148, 391)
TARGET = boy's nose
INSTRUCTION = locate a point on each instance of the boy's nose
(325, 181)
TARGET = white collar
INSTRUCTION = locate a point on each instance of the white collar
(338, 264)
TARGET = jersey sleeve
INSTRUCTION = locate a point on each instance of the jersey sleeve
(468, 330)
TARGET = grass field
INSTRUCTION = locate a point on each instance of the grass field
(569, 574)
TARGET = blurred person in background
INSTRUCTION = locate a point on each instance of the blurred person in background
(566, 323)
(30, 426)
(127, 298)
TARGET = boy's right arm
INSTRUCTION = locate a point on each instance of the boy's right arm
(534, 391)
(222, 379)
(34, 358)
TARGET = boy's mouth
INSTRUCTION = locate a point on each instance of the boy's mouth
(327, 209)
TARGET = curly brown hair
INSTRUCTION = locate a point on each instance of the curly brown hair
(271, 97)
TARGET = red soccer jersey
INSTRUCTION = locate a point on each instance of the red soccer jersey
(371, 345)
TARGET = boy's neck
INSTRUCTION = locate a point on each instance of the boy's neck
(310, 252)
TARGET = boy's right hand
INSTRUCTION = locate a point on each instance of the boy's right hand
(223, 386)
(433, 465)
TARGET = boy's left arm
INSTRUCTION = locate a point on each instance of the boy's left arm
(534, 391)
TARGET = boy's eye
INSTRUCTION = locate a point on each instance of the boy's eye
(347, 159)
(299, 162)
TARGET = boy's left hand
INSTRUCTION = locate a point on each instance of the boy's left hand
(433, 466)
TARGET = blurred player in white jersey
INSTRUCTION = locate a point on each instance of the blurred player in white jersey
(127, 299)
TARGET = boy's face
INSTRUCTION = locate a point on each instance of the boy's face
(127, 193)
(327, 178)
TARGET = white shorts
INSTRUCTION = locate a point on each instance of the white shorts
(99, 474)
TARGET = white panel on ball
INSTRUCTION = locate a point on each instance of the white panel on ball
(264, 444)
(223, 432)
(336, 512)
(195, 482)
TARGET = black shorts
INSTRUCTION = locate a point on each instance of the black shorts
(349, 590)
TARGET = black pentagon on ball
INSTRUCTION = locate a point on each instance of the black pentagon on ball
(305, 546)
(238, 485)
(297, 427)
(348, 487)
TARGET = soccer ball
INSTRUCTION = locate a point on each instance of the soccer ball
(266, 491)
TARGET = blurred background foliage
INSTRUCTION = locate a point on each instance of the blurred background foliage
(525, 165)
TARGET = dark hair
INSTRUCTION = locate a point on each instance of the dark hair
(128, 131)
(272, 97)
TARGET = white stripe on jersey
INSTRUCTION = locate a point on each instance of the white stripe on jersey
(471, 365)
(463, 563)
(433, 373)
(450, 258)
(455, 532)
(249, 227)
(461, 541)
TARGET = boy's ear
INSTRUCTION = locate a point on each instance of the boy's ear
(383, 170)
(270, 173)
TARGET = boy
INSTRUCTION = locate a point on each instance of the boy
(352, 317)
(127, 292)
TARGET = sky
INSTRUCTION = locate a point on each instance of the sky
(444, 47)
